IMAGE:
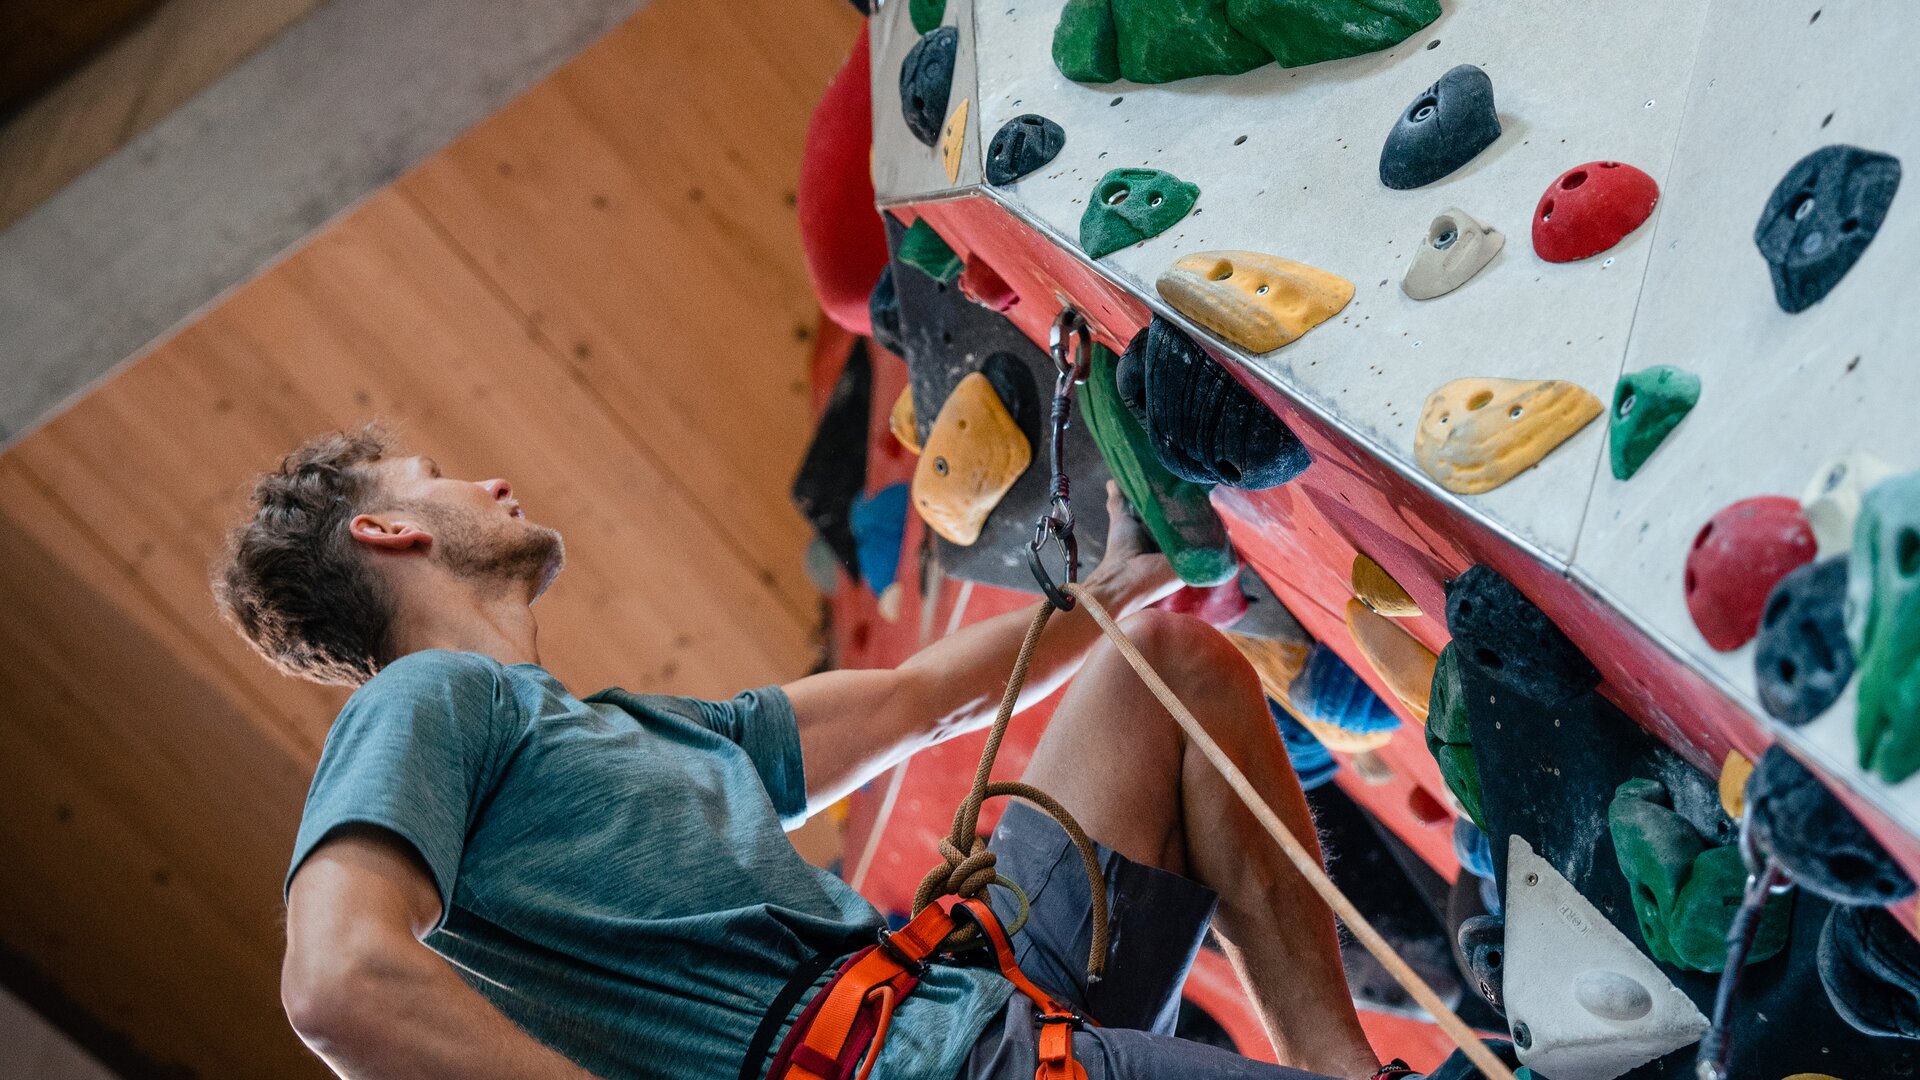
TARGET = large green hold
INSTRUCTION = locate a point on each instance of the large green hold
(1685, 893)
(1177, 512)
(1450, 738)
(1166, 40)
(1130, 205)
(1883, 622)
(923, 249)
(926, 14)
(1086, 47)
(1301, 32)
(1647, 405)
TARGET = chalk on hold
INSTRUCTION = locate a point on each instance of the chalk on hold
(1802, 659)
(883, 312)
(1820, 844)
(1161, 41)
(1870, 966)
(904, 422)
(1820, 219)
(1647, 406)
(926, 82)
(1131, 205)
(926, 14)
(1497, 629)
(1299, 32)
(972, 456)
(835, 468)
(1176, 512)
(1205, 426)
(1025, 143)
(1337, 707)
(1476, 434)
(1443, 129)
(879, 527)
(1832, 498)
(1311, 761)
(923, 249)
(1376, 588)
(1086, 46)
(1458, 246)
(1735, 771)
(1403, 664)
(1736, 557)
(1483, 944)
(1589, 208)
(1450, 734)
(1258, 302)
(1883, 621)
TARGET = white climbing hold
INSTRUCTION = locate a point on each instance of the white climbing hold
(1832, 499)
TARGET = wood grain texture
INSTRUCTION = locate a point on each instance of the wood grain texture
(632, 356)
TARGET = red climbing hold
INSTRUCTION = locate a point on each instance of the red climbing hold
(1589, 208)
(846, 246)
(1219, 606)
(1738, 556)
(981, 284)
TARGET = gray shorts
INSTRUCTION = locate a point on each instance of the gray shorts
(1156, 922)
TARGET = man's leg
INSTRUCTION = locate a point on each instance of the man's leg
(1123, 768)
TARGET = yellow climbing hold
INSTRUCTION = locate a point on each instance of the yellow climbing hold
(904, 422)
(1476, 434)
(1405, 665)
(952, 138)
(973, 454)
(1258, 302)
(1733, 783)
(1377, 589)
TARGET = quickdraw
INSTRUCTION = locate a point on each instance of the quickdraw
(1070, 342)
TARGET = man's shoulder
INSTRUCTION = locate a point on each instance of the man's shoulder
(433, 675)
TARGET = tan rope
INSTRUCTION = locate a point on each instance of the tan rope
(1302, 859)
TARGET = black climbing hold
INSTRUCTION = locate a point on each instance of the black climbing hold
(1483, 944)
(1442, 130)
(835, 469)
(1816, 840)
(1459, 1066)
(1820, 219)
(883, 310)
(1022, 144)
(1205, 426)
(1802, 660)
(1502, 634)
(1012, 380)
(926, 79)
(1870, 966)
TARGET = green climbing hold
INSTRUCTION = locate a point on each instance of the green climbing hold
(1450, 738)
(1685, 892)
(926, 14)
(1166, 40)
(1176, 512)
(922, 249)
(1883, 622)
(1647, 405)
(1130, 205)
(1085, 47)
(1299, 32)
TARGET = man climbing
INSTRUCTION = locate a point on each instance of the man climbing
(494, 877)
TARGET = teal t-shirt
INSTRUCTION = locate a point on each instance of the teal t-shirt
(613, 872)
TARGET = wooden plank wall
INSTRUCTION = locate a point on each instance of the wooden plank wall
(599, 294)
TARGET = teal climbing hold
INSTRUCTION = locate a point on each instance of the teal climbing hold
(1450, 738)
(1883, 622)
(1130, 205)
(1301, 32)
(926, 14)
(1160, 41)
(1647, 406)
(1085, 46)
(923, 249)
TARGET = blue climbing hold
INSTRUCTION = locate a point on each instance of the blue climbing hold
(1328, 691)
(879, 528)
(1312, 762)
(1471, 847)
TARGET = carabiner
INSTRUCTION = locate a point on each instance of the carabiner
(1070, 343)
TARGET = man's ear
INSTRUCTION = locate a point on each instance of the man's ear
(396, 534)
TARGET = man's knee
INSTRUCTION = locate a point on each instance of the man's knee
(1193, 657)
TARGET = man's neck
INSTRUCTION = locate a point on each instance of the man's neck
(455, 617)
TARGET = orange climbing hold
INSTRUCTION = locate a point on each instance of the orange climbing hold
(1258, 302)
(1405, 665)
(1476, 434)
(1733, 783)
(972, 456)
(904, 422)
(1376, 588)
(952, 138)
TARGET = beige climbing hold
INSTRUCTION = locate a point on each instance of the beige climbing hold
(1258, 302)
(952, 138)
(1476, 434)
(1376, 588)
(1733, 783)
(904, 422)
(1832, 499)
(1371, 768)
(1456, 248)
(890, 600)
(1405, 665)
(973, 454)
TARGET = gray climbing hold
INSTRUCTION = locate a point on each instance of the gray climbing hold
(1023, 144)
(926, 81)
(1457, 246)
(1802, 660)
(1442, 130)
(1483, 943)
(1870, 966)
(1816, 840)
(1820, 219)
(1500, 631)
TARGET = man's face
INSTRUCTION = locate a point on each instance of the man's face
(478, 529)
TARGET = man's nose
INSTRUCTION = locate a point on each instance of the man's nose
(497, 488)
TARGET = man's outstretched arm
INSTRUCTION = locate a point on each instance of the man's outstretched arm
(368, 997)
(856, 724)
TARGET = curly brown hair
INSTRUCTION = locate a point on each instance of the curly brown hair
(291, 579)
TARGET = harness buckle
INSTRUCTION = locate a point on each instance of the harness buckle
(884, 938)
